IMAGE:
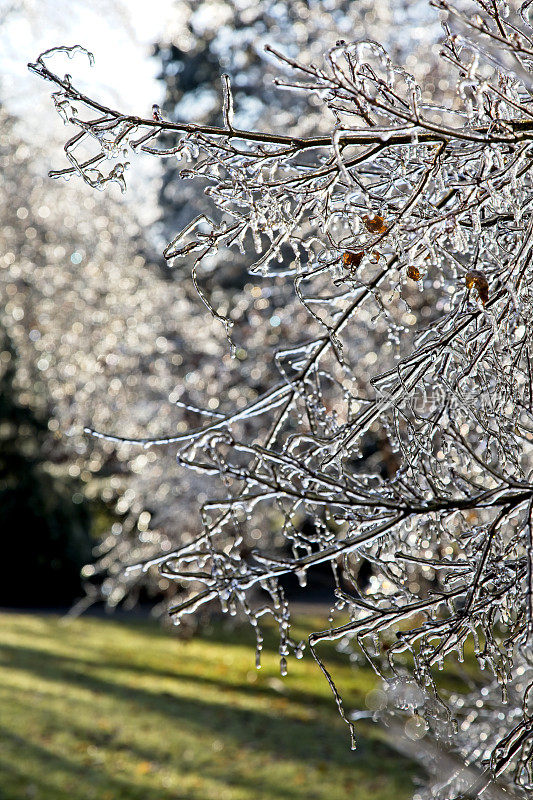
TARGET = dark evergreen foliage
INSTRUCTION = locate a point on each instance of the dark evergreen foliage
(44, 521)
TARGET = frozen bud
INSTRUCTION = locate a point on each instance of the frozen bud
(374, 225)
(413, 273)
(352, 259)
(474, 279)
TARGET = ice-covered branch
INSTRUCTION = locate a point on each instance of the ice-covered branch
(394, 433)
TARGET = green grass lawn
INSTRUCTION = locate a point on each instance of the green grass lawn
(109, 710)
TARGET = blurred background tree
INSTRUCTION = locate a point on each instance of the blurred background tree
(106, 334)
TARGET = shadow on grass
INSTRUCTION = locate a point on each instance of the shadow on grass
(48, 763)
(102, 782)
(219, 635)
(275, 731)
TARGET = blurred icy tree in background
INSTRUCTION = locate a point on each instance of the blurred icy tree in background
(124, 357)
(364, 245)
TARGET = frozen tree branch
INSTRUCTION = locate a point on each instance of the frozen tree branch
(407, 233)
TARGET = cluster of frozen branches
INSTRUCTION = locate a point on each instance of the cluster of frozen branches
(406, 231)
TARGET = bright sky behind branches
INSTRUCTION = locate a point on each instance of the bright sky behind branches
(120, 35)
